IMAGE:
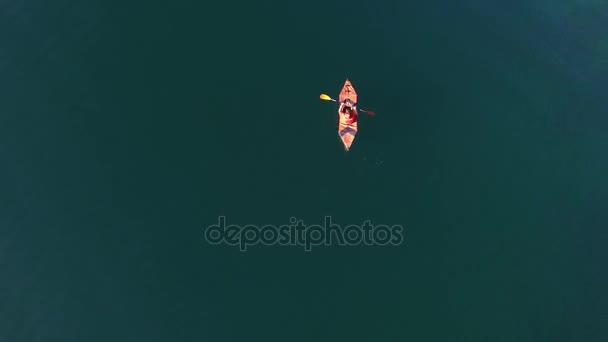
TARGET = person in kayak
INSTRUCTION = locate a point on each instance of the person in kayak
(349, 108)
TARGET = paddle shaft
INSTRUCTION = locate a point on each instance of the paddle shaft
(368, 112)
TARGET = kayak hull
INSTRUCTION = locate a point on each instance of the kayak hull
(347, 124)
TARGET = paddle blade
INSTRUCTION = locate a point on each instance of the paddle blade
(326, 97)
(368, 112)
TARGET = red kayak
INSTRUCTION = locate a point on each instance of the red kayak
(347, 126)
(347, 113)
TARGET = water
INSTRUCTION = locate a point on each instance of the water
(127, 130)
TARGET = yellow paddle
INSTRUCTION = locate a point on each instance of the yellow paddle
(326, 98)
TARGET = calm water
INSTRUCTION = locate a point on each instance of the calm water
(125, 130)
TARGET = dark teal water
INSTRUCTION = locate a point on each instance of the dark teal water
(126, 129)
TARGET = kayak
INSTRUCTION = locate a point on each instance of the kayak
(347, 123)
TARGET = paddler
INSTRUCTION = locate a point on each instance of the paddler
(348, 107)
